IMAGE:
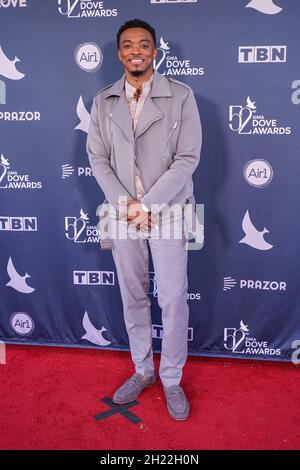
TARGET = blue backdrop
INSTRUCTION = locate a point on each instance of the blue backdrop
(242, 60)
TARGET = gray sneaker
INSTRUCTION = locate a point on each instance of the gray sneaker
(131, 389)
(177, 403)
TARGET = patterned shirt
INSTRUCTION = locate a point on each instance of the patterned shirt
(135, 108)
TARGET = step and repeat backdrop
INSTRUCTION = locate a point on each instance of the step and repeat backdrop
(241, 57)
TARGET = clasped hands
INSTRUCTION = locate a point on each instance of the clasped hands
(136, 217)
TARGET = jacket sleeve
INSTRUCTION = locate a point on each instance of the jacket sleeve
(185, 161)
(100, 162)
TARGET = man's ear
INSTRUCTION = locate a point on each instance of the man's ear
(155, 53)
(119, 54)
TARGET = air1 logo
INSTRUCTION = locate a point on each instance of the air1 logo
(244, 120)
(88, 56)
(258, 173)
(262, 54)
(84, 9)
(21, 323)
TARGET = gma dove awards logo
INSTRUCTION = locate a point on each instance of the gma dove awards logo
(171, 65)
(85, 9)
(245, 120)
(13, 3)
(79, 230)
(238, 341)
(13, 180)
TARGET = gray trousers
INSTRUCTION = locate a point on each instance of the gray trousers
(169, 258)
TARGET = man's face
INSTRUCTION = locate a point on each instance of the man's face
(137, 51)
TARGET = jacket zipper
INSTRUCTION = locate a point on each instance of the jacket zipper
(169, 137)
(148, 125)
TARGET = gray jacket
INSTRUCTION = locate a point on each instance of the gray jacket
(166, 144)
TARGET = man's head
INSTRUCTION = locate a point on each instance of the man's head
(137, 47)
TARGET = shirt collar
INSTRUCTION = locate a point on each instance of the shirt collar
(130, 89)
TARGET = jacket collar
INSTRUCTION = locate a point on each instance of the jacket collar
(160, 87)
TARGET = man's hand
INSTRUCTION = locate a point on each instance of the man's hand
(136, 216)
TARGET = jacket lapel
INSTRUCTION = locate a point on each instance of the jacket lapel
(120, 115)
(150, 113)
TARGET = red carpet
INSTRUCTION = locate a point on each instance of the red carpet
(50, 396)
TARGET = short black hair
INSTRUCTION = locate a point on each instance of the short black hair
(136, 23)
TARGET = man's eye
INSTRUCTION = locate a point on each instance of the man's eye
(144, 46)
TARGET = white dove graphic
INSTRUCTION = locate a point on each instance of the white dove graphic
(83, 215)
(17, 281)
(164, 45)
(83, 116)
(92, 334)
(254, 237)
(264, 6)
(8, 67)
(4, 161)
(250, 104)
(243, 326)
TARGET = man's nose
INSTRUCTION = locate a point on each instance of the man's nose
(136, 49)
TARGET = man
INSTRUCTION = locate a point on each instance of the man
(144, 144)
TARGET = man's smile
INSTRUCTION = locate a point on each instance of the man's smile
(136, 61)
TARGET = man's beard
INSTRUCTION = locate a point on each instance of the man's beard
(137, 73)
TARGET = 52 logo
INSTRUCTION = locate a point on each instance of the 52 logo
(239, 116)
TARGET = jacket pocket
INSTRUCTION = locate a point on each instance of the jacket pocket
(169, 138)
